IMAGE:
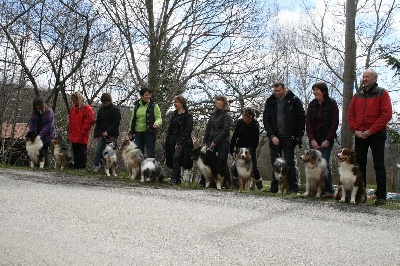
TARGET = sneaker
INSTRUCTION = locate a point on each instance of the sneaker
(379, 202)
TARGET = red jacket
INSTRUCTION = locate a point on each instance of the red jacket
(370, 110)
(80, 122)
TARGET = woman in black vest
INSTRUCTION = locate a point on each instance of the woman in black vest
(179, 143)
(322, 121)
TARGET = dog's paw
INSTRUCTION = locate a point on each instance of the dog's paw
(352, 202)
(342, 200)
(305, 194)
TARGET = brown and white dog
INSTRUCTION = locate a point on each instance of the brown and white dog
(281, 172)
(33, 145)
(316, 171)
(244, 167)
(132, 158)
(62, 155)
(351, 187)
(209, 165)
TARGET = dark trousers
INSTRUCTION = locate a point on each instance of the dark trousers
(377, 144)
(176, 164)
(80, 155)
(286, 146)
(44, 151)
(143, 139)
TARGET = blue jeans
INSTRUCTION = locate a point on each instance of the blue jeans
(326, 154)
(377, 144)
(286, 146)
(143, 139)
(101, 144)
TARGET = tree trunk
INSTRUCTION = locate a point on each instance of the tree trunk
(349, 71)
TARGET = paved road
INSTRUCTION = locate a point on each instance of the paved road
(55, 219)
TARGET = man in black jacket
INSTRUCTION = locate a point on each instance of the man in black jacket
(284, 121)
(107, 127)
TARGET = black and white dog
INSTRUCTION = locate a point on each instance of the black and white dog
(33, 146)
(209, 165)
(152, 171)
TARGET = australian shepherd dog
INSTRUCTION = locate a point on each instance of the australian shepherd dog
(62, 154)
(151, 171)
(34, 145)
(281, 172)
(351, 187)
(109, 161)
(244, 167)
(209, 165)
(132, 158)
(316, 171)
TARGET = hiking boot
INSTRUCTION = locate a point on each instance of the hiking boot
(379, 202)
(272, 190)
(259, 184)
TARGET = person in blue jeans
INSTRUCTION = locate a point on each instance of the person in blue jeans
(107, 127)
(322, 121)
(145, 121)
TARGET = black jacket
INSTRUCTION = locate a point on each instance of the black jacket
(179, 132)
(218, 127)
(245, 135)
(108, 119)
(294, 116)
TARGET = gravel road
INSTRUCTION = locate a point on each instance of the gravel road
(57, 219)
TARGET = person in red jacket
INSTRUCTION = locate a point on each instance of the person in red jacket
(369, 113)
(81, 120)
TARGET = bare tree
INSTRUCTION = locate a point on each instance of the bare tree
(57, 35)
(193, 38)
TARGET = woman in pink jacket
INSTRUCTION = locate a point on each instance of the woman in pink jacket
(81, 120)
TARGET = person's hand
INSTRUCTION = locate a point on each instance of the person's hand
(155, 125)
(275, 141)
(325, 144)
(366, 134)
(213, 144)
(314, 144)
(131, 136)
(105, 134)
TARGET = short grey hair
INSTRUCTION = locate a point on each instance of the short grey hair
(374, 73)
